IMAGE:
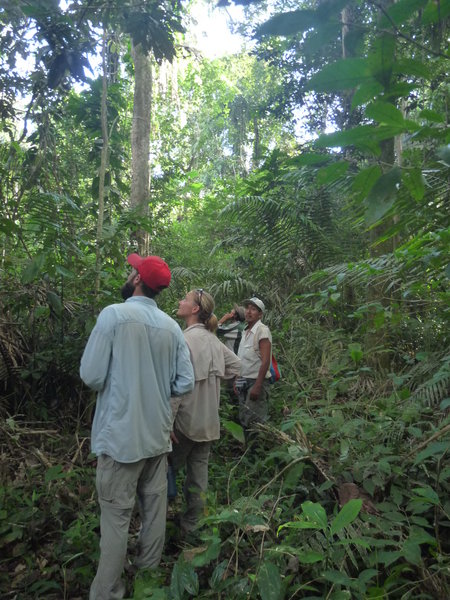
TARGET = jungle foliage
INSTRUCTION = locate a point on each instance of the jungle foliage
(313, 171)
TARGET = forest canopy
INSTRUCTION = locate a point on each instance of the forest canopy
(310, 168)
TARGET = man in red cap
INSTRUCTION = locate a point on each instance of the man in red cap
(136, 358)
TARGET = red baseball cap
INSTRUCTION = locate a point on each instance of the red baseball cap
(153, 270)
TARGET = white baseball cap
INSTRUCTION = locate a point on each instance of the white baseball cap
(256, 301)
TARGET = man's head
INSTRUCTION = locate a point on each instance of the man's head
(254, 308)
(151, 274)
(239, 313)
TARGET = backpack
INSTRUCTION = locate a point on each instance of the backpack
(275, 373)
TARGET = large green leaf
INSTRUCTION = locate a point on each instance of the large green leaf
(436, 448)
(330, 173)
(346, 515)
(415, 183)
(315, 513)
(400, 12)
(341, 75)
(382, 196)
(365, 180)
(366, 91)
(436, 12)
(363, 136)
(385, 112)
(269, 582)
(289, 23)
(337, 577)
(34, 268)
(410, 66)
(184, 578)
(444, 154)
(308, 158)
(235, 429)
(381, 59)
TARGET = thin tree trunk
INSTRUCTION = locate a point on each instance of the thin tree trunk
(104, 159)
(140, 141)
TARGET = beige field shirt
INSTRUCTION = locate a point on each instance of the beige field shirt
(196, 414)
(249, 350)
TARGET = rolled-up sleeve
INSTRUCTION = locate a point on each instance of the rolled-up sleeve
(97, 354)
(183, 381)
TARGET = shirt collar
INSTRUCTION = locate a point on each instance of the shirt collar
(143, 299)
(202, 325)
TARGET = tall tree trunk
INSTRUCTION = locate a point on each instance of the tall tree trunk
(140, 141)
(378, 293)
(104, 160)
(256, 142)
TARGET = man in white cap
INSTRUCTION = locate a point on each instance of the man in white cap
(255, 351)
(136, 358)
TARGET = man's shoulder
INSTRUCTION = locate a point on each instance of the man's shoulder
(262, 330)
(130, 311)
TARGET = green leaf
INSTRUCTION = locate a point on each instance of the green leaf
(211, 553)
(269, 582)
(435, 12)
(385, 112)
(332, 172)
(444, 154)
(34, 268)
(337, 577)
(437, 448)
(289, 23)
(381, 59)
(309, 557)
(7, 226)
(365, 92)
(363, 136)
(432, 115)
(299, 525)
(184, 578)
(218, 574)
(315, 513)
(386, 557)
(304, 556)
(428, 494)
(341, 75)
(55, 472)
(400, 12)
(382, 196)
(410, 66)
(64, 272)
(54, 302)
(415, 183)
(355, 352)
(444, 404)
(308, 158)
(235, 429)
(346, 515)
(365, 180)
(412, 552)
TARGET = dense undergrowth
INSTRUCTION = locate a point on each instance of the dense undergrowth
(343, 495)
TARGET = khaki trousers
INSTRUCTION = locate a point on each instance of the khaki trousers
(195, 456)
(117, 486)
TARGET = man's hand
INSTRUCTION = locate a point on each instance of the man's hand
(227, 317)
(255, 391)
(174, 438)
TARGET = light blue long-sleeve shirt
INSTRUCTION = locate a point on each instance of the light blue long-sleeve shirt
(136, 358)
